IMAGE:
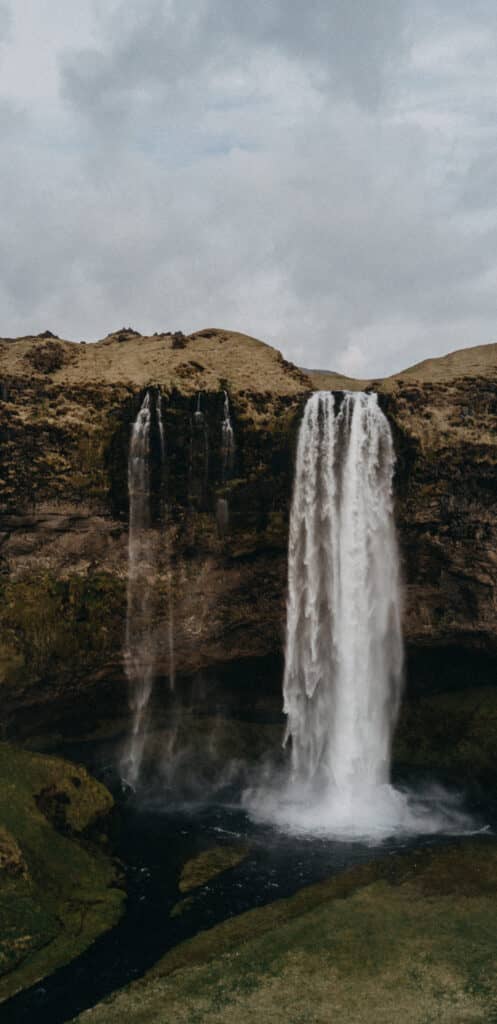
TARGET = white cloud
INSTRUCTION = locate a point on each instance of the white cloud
(322, 177)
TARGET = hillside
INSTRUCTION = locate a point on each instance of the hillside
(198, 362)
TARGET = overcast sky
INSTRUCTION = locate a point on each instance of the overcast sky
(319, 174)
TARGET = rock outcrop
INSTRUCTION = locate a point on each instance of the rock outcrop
(65, 416)
(58, 891)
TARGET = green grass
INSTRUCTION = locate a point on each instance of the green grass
(454, 733)
(208, 864)
(57, 890)
(412, 939)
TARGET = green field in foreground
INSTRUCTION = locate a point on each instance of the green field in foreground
(412, 938)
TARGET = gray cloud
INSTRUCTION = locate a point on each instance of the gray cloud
(5, 21)
(321, 177)
(348, 46)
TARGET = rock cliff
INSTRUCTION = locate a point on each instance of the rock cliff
(444, 417)
(65, 417)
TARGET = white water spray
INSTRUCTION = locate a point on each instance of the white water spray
(343, 657)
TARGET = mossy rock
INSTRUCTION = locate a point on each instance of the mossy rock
(57, 890)
(209, 863)
(454, 733)
(48, 625)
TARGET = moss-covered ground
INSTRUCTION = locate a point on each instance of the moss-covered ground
(48, 625)
(57, 889)
(412, 938)
(199, 870)
(208, 864)
(451, 733)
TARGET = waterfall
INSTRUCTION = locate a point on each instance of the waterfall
(139, 649)
(227, 463)
(162, 437)
(198, 415)
(165, 516)
(198, 470)
(343, 660)
(227, 439)
(343, 656)
(170, 587)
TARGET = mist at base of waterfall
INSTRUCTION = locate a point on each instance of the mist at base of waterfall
(343, 674)
(367, 815)
(188, 768)
(362, 813)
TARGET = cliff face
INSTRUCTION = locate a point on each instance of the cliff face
(444, 415)
(65, 418)
(65, 422)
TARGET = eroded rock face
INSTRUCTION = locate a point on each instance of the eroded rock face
(446, 434)
(64, 439)
(444, 416)
(65, 417)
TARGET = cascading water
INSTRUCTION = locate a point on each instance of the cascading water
(162, 437)
(165, 522)
(199, 456)
(227, 463)
(198, 415)
(343, 657)
(227, 439)
(343, 662)
(139, 650)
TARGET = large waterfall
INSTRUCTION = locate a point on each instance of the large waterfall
(344, 645)
(343, 657)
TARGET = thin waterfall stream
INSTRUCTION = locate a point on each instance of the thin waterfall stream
(144, 564)
(227, 439)
(227, 463)
(165, 516)
(139, 650)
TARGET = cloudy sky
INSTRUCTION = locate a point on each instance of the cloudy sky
(321, 175)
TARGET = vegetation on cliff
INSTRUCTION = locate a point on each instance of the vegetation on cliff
(65, 416)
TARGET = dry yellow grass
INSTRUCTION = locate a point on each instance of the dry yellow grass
(478, 361)
(206, 360)
(211, 357)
